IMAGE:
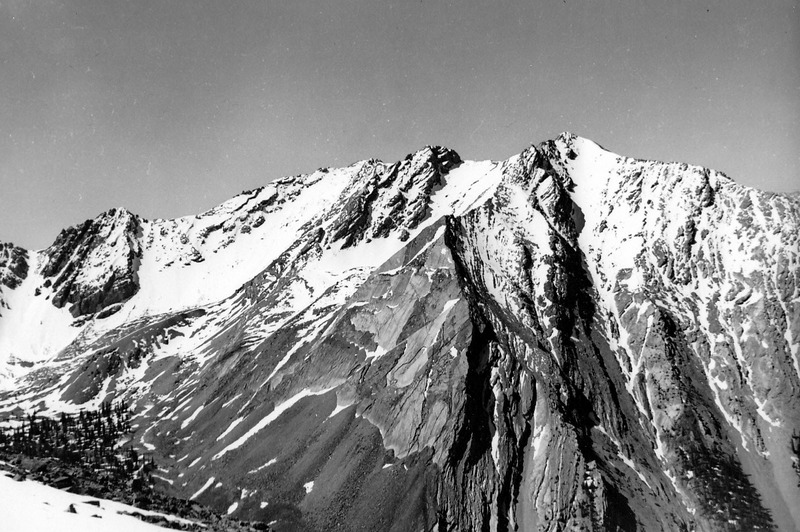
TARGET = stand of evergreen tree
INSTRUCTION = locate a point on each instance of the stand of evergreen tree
(93, 439)
(90, 453)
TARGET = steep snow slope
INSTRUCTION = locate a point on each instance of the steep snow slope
(565, 339)
(121, 262)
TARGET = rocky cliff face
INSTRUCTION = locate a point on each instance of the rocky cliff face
(94, 265)
(13, 265)
(566, 340)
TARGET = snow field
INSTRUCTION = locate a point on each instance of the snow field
(34, 507)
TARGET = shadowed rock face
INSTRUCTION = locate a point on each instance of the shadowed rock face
(94, 265)
(567, 340)
(13, 268)
(13, 265)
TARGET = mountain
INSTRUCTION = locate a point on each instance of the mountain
(566, 340)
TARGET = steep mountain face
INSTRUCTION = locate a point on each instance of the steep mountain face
(566, 340)
(94, 265)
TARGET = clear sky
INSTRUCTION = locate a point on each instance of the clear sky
(171, 107)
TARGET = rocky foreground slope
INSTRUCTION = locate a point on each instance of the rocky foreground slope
(566, 340)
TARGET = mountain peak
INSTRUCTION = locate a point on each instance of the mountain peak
(567, 336)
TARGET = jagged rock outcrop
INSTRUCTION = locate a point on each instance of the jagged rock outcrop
(566, 340)
(13, 265)
(13, 269)
(94, 265)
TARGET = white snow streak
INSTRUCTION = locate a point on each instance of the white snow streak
(199, 492)
(275, 414)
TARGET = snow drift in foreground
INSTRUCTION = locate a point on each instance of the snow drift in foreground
(30, 506)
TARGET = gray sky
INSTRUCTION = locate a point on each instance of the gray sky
(170, 107)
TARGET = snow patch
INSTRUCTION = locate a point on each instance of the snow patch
(256, 470)
(230, 428)
(191, 418)
(339, 408)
